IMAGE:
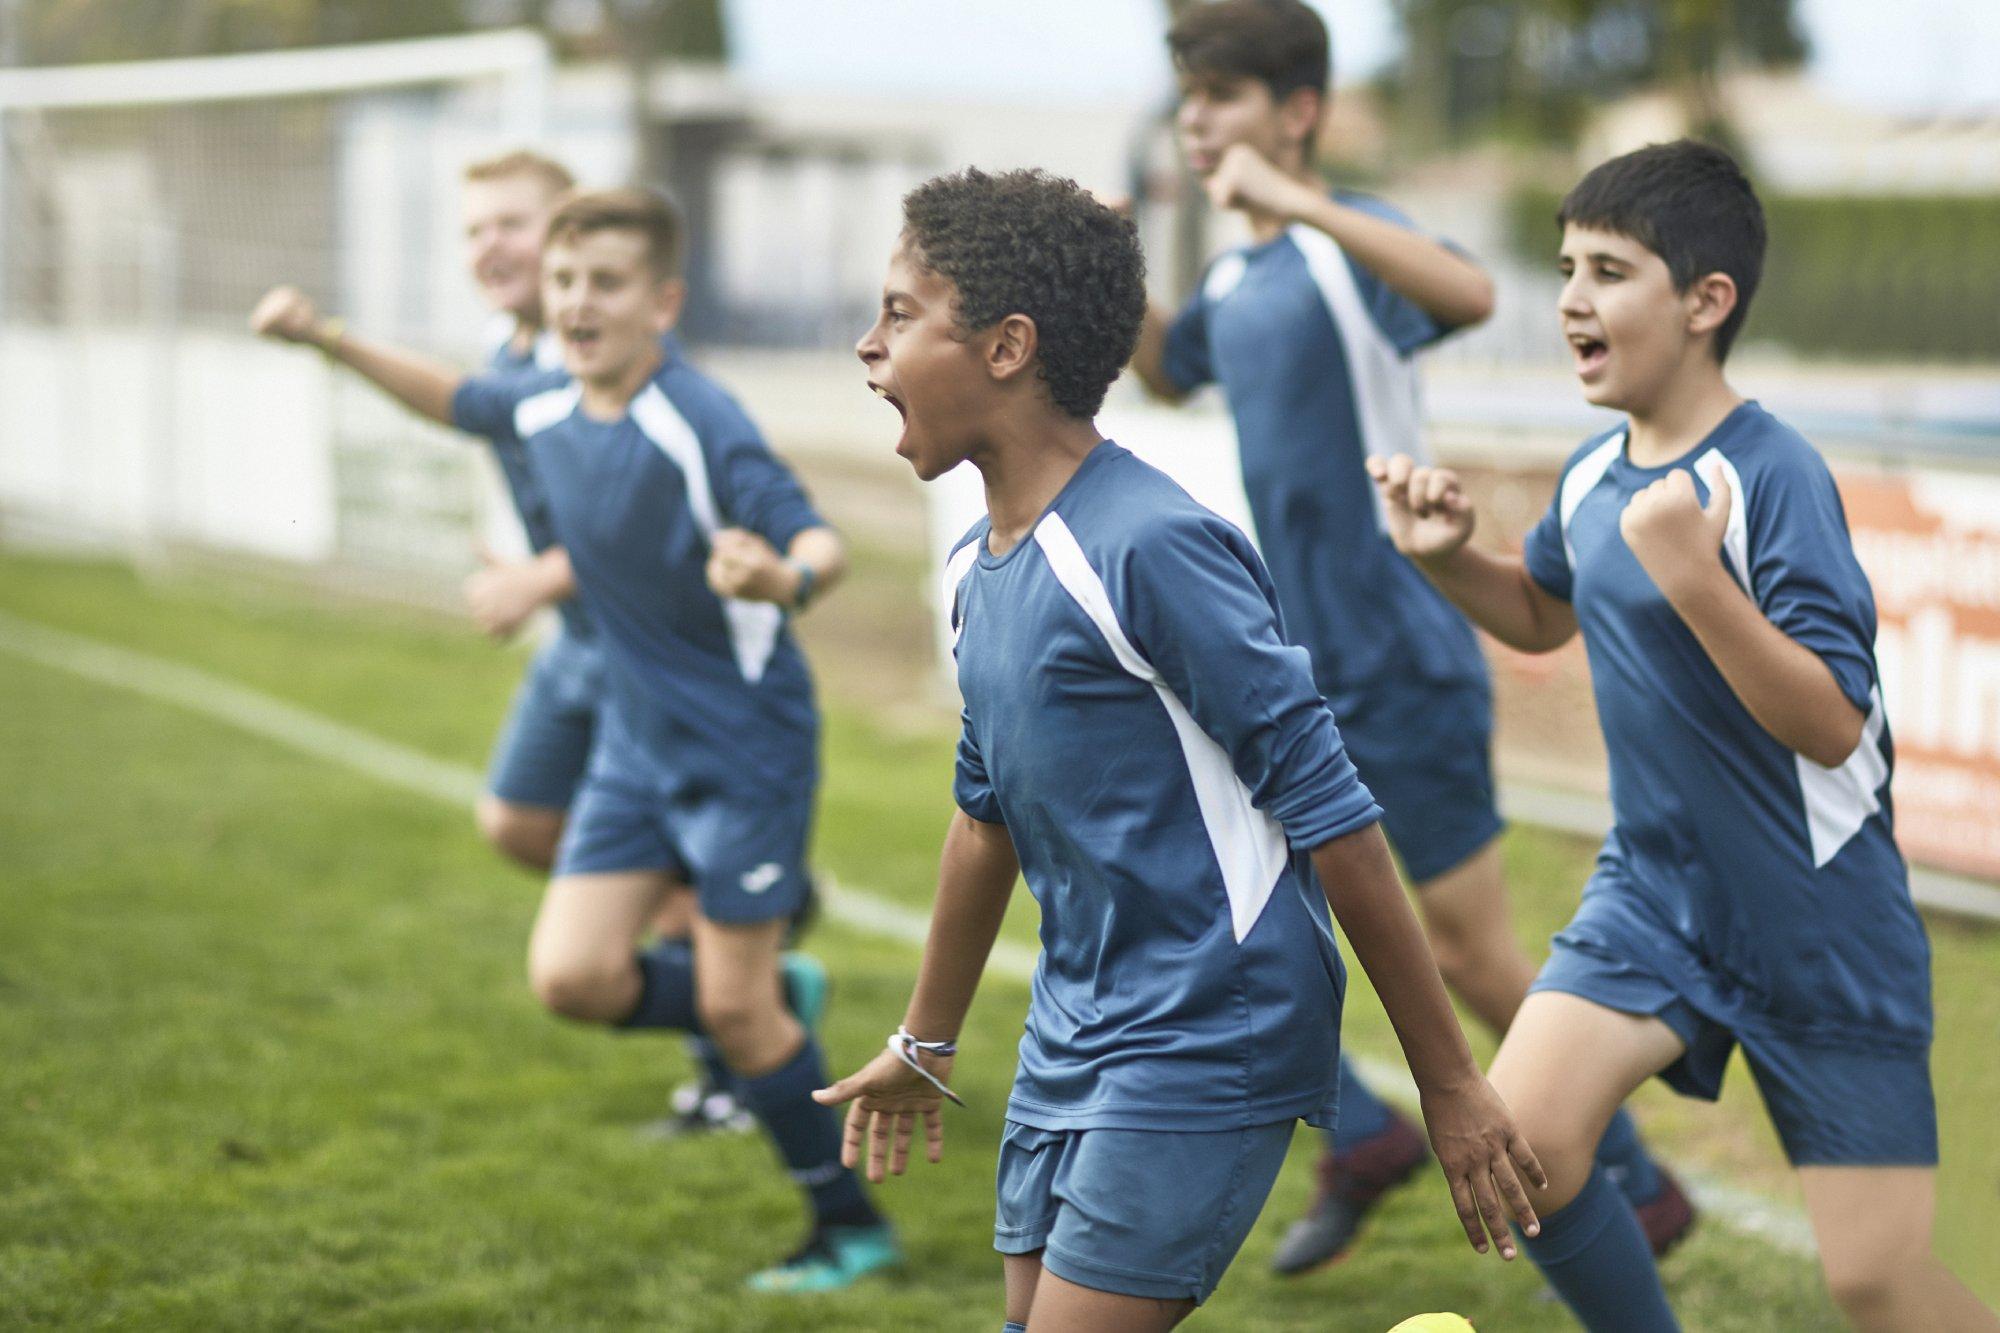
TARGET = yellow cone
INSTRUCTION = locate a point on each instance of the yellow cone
(1434, 1323)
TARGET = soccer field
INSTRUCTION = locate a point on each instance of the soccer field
(269, 1059)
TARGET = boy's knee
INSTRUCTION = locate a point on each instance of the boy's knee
(1864, 1285)
(528, 837)
(589, 990)
(732, 1021)
(1468, 947)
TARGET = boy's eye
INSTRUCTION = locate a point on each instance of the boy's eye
(1608, 274)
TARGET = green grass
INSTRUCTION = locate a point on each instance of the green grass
(267, 1061)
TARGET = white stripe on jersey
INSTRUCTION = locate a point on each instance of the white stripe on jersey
(955, 571)
(534, 415)
(753, 626)
(1580, 481)
(1249, 845)
(1388, 394)
(1836, 801)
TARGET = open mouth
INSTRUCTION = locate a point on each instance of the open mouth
(582, 340)
(1590, 353)
(890, 399)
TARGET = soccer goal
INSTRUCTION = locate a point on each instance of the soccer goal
(143, 209)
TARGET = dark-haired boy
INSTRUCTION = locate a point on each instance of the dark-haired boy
(690, 542)
(1312, 330)
(1750, 892)
(1140, 742)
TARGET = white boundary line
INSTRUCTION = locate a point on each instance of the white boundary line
(298, 729)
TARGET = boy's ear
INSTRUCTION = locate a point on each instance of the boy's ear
(1300, 112)
(1710, 299)
(669, 297)
(1014, 342)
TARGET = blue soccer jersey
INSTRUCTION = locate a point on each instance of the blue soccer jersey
(1315, 355)
(1765, 889)
(530, 502)
(708, 695)
(1162, 761)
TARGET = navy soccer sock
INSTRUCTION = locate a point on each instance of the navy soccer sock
(1595, 1256)
(1011, 1327)
(808, 1137)
(666, 989)
(716, 1075)
(1362, 1115)
(1625, 1160)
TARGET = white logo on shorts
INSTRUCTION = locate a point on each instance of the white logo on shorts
(763, 877)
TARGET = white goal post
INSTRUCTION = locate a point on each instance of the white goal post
(144, 205)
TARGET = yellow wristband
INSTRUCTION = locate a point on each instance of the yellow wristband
(331, 330)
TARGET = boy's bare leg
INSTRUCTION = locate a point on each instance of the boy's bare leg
(739, 996)
(1022, 1273)
(1565, 1065)
(527, 834)
(1873, 1224)
(675, 919)
(1471, 931)
(580, 957)
(1064, 1307)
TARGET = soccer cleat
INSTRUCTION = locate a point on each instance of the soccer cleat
(699, 1108)
(806, 988)
(1350, 1187)
(833, 1259)
(1667, 1217)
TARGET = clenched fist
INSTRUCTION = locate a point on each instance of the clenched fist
(288, 315)
(1674, 538)
(1427, 514)
(743, 565)
(1245, 179)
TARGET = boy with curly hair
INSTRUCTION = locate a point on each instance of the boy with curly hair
(1140, 742)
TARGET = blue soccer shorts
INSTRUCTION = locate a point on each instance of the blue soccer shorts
(744, 856)
(1137, 1212)
(544, 746)
(1864, 1102)
(1424, 749)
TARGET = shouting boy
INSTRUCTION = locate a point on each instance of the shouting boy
(1750, 892)
(1141, 743)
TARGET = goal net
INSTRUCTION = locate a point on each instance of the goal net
(144, 207)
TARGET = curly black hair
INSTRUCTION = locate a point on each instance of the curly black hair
(1028, 243)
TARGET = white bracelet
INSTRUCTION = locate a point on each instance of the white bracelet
(905, 1048)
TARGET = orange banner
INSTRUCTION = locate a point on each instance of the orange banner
(1930, 543)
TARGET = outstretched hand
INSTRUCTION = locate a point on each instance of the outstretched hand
(886, 1098)
(1484, 1158)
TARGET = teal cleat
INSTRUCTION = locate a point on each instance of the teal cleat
(833, 1260)
(806, 988)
